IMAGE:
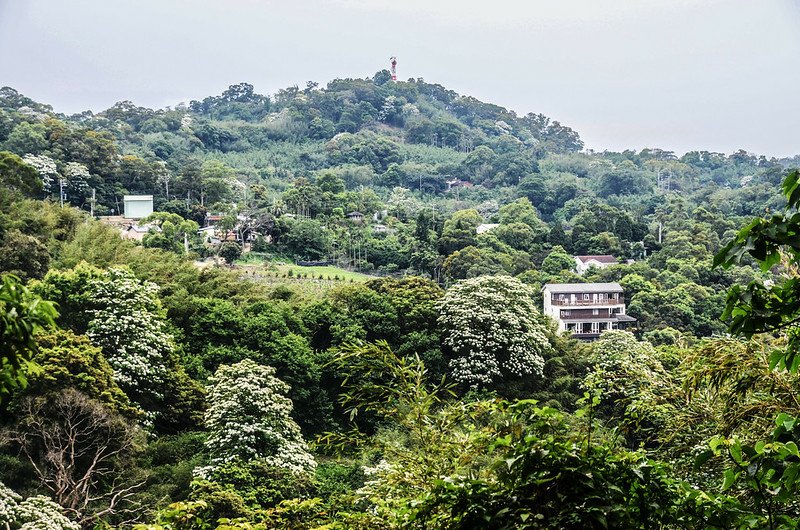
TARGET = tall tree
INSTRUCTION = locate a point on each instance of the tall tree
(249, 418)
(492, 331)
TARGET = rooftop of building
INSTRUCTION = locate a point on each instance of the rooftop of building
(600, 258)
(612, 287)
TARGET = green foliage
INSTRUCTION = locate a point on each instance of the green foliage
(541, 476)
(767, 470)
(71, 361)
(22, 314)
(23, 255)
(761, 307)
(17, 177)
(230, 251)
(557, 261)
(258, 484)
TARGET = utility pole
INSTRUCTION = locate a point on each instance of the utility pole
(94, 196)
(61, 191)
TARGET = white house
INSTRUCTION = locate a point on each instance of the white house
(485, 227)
(584, 263)
(586, 309)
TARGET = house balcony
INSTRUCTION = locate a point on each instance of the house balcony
(584, 303)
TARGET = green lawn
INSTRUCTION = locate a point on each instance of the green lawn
(328, 272)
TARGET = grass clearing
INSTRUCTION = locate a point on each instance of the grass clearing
(307, 282)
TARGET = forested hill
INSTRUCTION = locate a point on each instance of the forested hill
(437, 394)
(373, 133)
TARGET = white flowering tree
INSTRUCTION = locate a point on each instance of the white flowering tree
(249, 418)
(77, 177)
(46, 168)
(128, 325)
(492, 331)
(33, 513)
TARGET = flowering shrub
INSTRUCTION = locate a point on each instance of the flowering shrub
(249, 418)
(45, 167)
(33, 513)
(128, 326)
(493, 330)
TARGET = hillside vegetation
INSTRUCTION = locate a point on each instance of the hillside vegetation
(407, 378)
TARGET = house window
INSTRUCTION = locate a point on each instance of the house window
(585, 296)
(561, 297)
(595, 311)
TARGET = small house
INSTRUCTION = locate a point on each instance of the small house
(485, 227)
(584, 263)
(137, 232)
(356, 217)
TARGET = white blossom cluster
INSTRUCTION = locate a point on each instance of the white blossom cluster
(131, 331)
(249, 418)
(374, 476)
(493, 328)
(45, 167)
(77, 176)
(33, 513)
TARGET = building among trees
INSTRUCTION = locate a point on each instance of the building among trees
(586, 309)
(584, 263)
(137, 206)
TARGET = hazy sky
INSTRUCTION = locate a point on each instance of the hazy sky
(676, 74)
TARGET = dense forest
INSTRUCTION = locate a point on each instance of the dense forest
(410, 380)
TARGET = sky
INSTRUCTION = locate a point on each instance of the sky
(718, 75)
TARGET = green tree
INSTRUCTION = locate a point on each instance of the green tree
(71, 361)
(129, 326)
(22, 314)
(17, 177)
(230, 251)
(307, 239)
(27, 138)
(459, 231)
(760, 307)
(175, 234)
(23, 255)
(557, 261)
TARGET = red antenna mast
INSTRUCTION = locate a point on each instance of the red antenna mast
(394, 67)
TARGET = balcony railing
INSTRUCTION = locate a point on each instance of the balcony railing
(599, 301)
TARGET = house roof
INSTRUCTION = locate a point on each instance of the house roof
(129, 198)
(600, 258)
(583, 287)
(143, 229)
(355, 214)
